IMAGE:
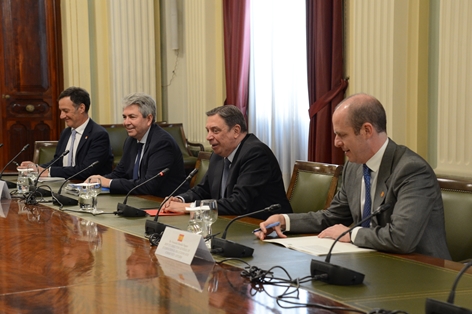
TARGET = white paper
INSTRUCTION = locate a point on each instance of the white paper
(183, 246)
(317, 246)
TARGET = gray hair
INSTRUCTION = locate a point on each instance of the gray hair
(146, 104)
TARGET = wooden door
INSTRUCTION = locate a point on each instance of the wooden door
(30, 75)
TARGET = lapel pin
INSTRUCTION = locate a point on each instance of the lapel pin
(382, 194)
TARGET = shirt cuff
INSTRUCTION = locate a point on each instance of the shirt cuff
(354, 233)
(181, 199)
(287, 222)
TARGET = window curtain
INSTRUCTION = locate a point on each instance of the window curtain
(278, 95)
(236, 44)
(326, 85)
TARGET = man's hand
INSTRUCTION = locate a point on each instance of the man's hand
(334, 232)
(278, 229)
(104, 181)
(175, 205)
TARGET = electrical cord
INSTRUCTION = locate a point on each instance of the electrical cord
(259, 278)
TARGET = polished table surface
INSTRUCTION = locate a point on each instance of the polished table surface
(57, 261)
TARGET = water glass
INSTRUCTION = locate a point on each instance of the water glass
(23, 181)
(95, 185)
(209, 210)
(195, 223)
(85, 197)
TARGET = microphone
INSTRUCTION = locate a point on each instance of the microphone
(438, 307)
(229, 248)
(12, 185)
(62, 200)
(127, 211)
(338, 275)
(30, 198)
(153, 226)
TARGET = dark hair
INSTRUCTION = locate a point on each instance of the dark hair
(146, 104)
(78, 96)
(231, 115)
(365, 108)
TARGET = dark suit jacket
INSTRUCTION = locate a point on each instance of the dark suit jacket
(254, 181)
(415, 223)
(94, 145)
(160, 152)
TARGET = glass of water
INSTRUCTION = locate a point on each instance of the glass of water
(209, 209)
(85, 197)
(95, 185)
(23, 181)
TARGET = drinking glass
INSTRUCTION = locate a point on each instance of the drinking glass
(85, 197)
(209, 210)
(32, 173)
(195, 223)
(95, 189)
(23, 181)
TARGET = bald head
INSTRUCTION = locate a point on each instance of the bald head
(362, 108)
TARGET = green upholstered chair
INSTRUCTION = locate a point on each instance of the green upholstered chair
(457, 200)
(176, 130)
(118, 135)
(313, 185)
(44, 151)
(203, 161)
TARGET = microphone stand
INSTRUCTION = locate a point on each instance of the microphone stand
(61, 200)
(128, 211)
(153, 226)
(31, 197)
(229, 248)
(12, 185)
(434, 306)
(338, 275)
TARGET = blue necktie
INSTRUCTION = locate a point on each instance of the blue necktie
(224, 178)
(138, 160)
(71, 149)
(368, 200)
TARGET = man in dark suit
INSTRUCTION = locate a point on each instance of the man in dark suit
(252, 180)
(86, 141)
(378, 172)
(147, 151)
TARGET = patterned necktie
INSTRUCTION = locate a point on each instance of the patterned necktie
(224, 178)
(138, 160)
(368, 200)
(71, 149)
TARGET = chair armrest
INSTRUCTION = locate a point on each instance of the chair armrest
(199, 145)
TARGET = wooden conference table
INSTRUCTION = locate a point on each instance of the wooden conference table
(54, 261)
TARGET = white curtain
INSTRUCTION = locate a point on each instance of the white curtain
(278, 90)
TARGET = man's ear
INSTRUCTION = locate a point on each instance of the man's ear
(237, 130)
(368, 129)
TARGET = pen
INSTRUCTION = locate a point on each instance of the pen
(272, 225)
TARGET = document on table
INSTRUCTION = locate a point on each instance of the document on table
(317, 246)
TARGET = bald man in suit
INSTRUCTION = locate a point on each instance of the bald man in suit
(396, 176)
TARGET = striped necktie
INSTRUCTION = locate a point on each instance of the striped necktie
(137, 162)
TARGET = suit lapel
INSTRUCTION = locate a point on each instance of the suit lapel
(383, 176)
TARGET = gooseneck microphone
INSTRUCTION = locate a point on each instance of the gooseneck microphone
(338, 275)
(62, 200)
(31, 197)
(12, 185)
(229, 248)
(438, 307)
(153, 226)
(128, 211)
